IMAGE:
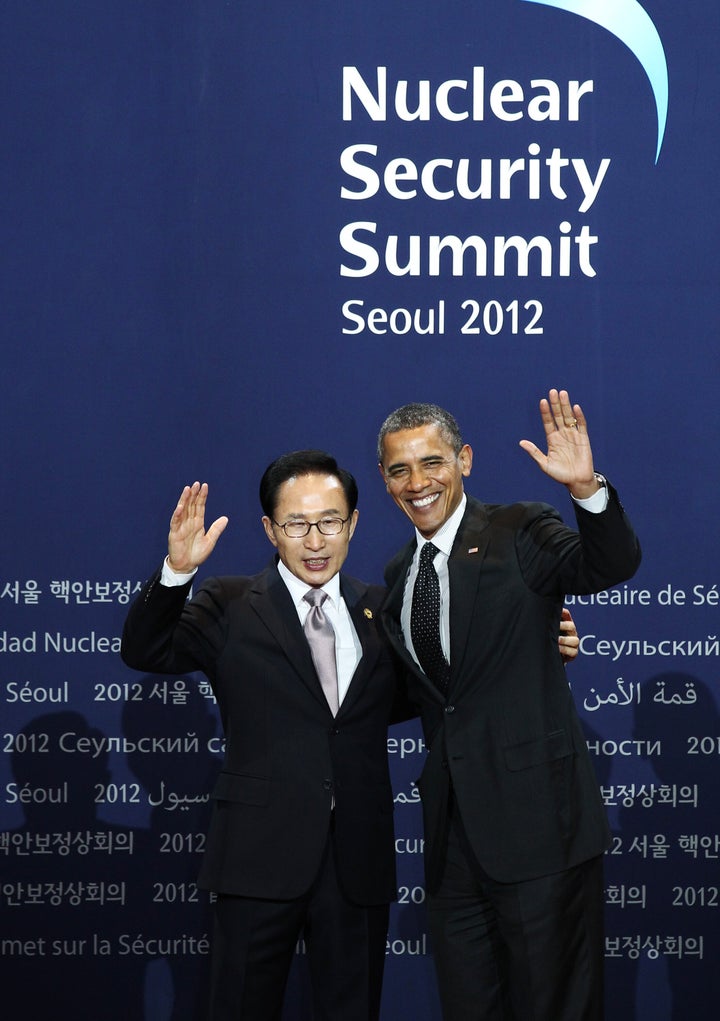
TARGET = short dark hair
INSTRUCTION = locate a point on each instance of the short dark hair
(412, 416)
(299, 463)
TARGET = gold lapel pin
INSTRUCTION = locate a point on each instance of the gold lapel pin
(368, 613)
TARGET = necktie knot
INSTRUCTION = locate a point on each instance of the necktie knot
(427, 555)
(315, 596)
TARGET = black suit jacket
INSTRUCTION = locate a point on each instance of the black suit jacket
(507, 737)
(286, 756)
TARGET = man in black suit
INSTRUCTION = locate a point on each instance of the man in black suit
(515, 828)
(301, 837)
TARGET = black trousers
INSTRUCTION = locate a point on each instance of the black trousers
(254, 942)
(528, 951)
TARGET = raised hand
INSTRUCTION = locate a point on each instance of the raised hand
(189, 545)
(569, 457)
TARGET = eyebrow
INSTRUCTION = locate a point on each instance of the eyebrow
(421, 460)
(331, 512)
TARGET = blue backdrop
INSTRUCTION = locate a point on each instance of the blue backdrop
(233, 229)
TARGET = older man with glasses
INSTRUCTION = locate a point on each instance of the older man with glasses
(301, 837)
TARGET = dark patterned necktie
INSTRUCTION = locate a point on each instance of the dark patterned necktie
(321, 639)
(425, 620)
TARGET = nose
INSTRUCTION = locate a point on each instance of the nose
(314, 540)
(418, 479)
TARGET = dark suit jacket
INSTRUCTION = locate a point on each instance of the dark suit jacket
(508, 736)
(286, 756)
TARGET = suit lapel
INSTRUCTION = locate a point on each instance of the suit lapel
(362, 616)
(392, 606)
(273, 604)
(464, 564)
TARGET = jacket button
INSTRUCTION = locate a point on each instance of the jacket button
(327, 785)
(449, 708)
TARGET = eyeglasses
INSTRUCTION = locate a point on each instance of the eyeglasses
(430, 467)
(325, 526)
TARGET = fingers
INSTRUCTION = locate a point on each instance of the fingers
(568, 653)
(178, 513)
(190, 503)
(216, 529)
(568, 634)
(569, 640)
(189, 544)
(534, 451)
(557, 412)
(567, 626)
(191, 508)
(196, 499)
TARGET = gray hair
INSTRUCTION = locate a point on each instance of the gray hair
(412, 416)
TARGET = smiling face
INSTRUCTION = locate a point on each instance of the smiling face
(424, 475)
(313, 558)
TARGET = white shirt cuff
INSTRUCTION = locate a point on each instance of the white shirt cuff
(596, 503)
(172, 579)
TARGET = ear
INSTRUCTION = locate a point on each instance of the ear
(267, 524)
(465, 457)
(353, 522)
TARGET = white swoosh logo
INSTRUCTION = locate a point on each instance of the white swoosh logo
(632, 25)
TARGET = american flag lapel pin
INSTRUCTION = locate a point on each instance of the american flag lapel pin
(473, 549)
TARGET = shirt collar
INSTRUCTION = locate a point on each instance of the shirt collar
(297, 588)
(445, 535)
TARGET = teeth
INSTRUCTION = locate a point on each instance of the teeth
(425, 501)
